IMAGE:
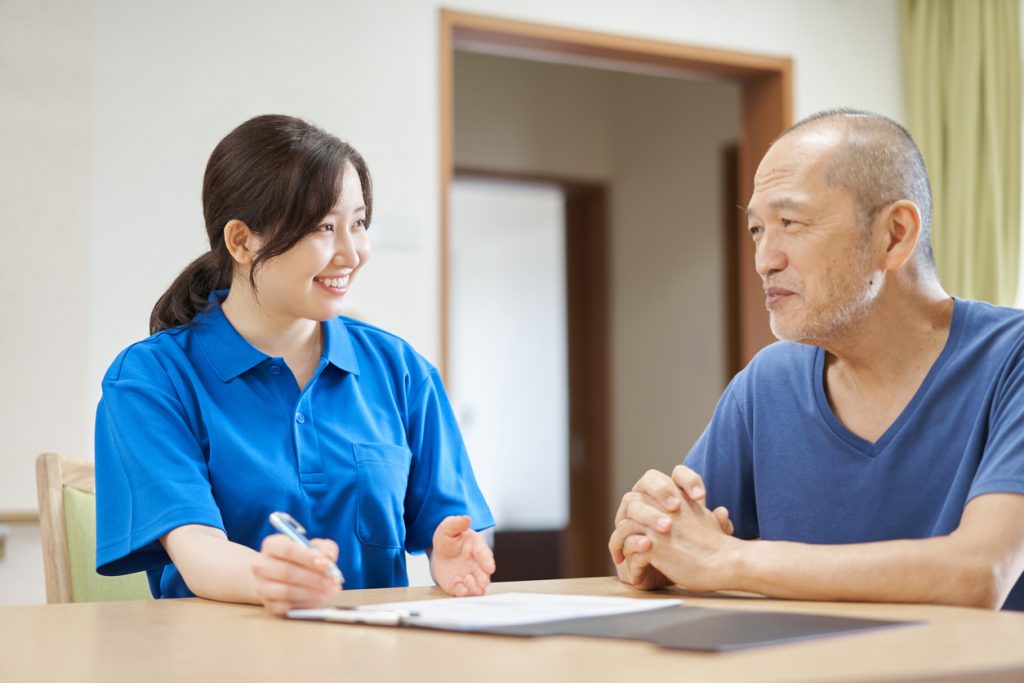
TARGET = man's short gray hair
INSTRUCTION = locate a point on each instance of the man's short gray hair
(878, 163)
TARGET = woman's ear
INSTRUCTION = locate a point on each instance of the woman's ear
(901, 227)
(240, 241)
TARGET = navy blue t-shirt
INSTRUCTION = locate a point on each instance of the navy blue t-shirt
(787, 469)
(197, 426)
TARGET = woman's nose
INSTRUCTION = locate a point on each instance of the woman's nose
(345, 254)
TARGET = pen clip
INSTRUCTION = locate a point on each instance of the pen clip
(279, 519)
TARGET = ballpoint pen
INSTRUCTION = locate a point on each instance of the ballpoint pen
(355, 615)
(287, 525)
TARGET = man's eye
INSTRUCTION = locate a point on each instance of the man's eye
(754, 230)
(786, 222)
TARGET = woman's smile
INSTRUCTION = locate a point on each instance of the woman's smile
(335, 285)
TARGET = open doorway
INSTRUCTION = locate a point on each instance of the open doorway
(660, 292)
(529, 370)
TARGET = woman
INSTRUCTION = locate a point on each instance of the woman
(252, 395)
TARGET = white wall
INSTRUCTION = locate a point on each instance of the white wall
(21, 569)
(520, 115)
(669, 340)
(45, 156)
(110, 108)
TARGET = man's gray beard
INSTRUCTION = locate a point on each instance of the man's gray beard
(842, 319)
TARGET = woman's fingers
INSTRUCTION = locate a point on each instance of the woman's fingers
(283, 571)
(317, 560)
(472, 587)
(279, 597)
(482, 579)
(327, 548)
(484, 556)
(278, 609)
(283, 548)
(290, 576)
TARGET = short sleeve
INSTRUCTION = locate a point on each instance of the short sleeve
(1001, 469)
(151, 472)
(441, 480)
(723, 456)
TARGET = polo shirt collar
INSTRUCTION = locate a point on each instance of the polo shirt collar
(338, 348)
(228, 352)
(231, 355)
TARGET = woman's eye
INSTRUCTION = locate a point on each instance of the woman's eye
(326, 227)
(361, 223)
(754, 230)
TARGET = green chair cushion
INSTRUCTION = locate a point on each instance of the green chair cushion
(86, 584)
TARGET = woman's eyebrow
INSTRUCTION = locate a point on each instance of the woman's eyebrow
(337, 211)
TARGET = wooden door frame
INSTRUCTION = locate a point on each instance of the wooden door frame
(765, 111)
(765, 84)
(589, 365)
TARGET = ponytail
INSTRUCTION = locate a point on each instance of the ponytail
(190, 292)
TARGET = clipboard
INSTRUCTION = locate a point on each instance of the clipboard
(700, 629)
(665, 623)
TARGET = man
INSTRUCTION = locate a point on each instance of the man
(881, 456)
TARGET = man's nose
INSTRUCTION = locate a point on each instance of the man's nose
(769, 256)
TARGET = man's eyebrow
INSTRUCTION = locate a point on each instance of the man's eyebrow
(780, 203)
(786, 203)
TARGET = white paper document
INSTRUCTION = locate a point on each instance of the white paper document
(513, 609)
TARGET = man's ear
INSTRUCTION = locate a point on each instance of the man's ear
(240, 241)
(901, 227)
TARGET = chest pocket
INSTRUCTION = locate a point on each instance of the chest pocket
(383, 475)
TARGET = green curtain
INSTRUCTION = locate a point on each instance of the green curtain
(962, 81)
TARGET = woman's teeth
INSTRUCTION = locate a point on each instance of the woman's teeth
(336, 282)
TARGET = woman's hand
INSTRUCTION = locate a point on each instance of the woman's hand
(289, 576)
(461, 562)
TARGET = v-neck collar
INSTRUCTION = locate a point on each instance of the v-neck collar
(960, 311)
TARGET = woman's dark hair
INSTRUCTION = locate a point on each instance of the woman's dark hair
(277, 174)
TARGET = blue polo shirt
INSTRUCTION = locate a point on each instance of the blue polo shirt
(197, 426)
(777, 456)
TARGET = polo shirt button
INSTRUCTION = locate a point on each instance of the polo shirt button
(275, 369)
(300, 418)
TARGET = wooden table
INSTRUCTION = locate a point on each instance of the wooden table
(198, 640)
